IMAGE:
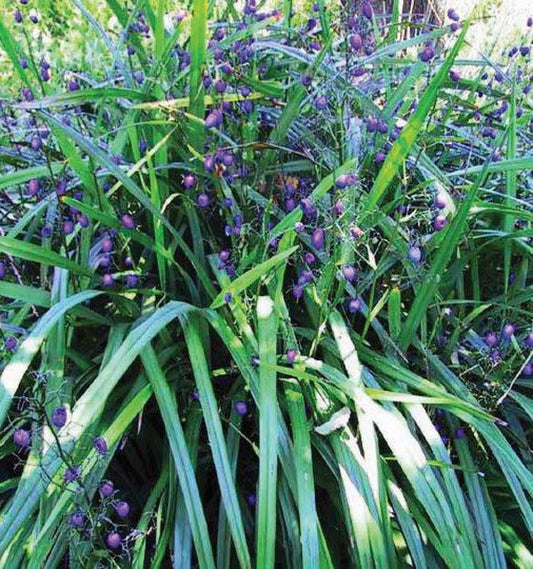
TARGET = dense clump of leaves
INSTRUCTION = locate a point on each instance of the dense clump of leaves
(265, 292)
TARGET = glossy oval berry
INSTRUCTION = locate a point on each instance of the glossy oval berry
(508, 331)
(100, 445)
(77, 520)
(59, 416)
(439, 223)
(71, 474)
(132, 281)
(203, 200)
(108, 280)
(241, 408)
(291, 355)
(21, 437)
(441, 201)
(122, 509)
(127, 221)
(349, 273)
(356, 42)
(107, 488)
(354, 306)
(113, 540)
(318, 238)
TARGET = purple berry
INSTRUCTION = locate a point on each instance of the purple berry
(455, 76)
(307, 207)
(77, 519)
(291, 356)
(72, 473)
(107, 488)
(227, 159)
(529, 340)
(356, 42)
(338, 208)
(349, 273)
(427, 54)
(356, 232)
(318, 238)
(453, 15)
(68, 227)
(59, 416)
(224, 255)
(241, 408)
(203, 200)
(459, 433)
(440, 201)
(213, 120)
(189, 181)
(10, 344)
(309, 258)
(342, 181)
(298, 292)
(321, 103)
(107, 245)
(367, 10)
(439, 223)
(108, 280)
(27, 94)
(383, 128)
(100, 445)
(2, 270)
(122, 509)
(305, 277)
(22, 437)
(528, 370)
(113, 540)
(508, 331)
(61, 187)
(127, 221)
(354, 306)
(220, 87)
(132, 281)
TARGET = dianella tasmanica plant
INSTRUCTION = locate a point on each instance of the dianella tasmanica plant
(265, 294)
